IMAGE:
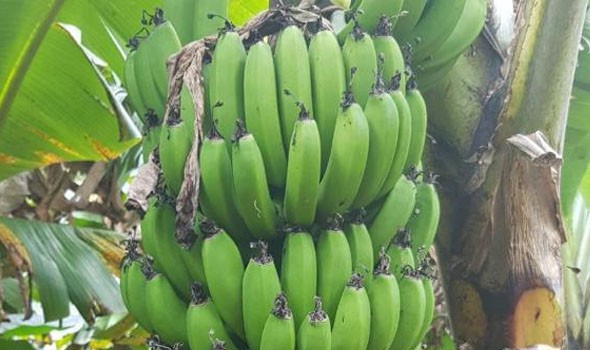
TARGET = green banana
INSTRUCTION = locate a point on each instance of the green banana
(382, 116)
(403, 139)
(294, 76)
(315, 331)
(217, 197)
(303, 174)
(226, 85)
(360, 61)
(436, 24)
(203, 322)
(429, 310)
(410, 15)
(175, 146)
(368, 13)
(253, 199)
(328, 79)
(133, 284)
(149, 238)
(260, 287)
(424, 221)
(224, 270)
(180, 14)
(361, 248)
(350, 149)
(146, 81)
(167, 313)
(187, 112)
(466, 30)
(412, 310)
(427, 78)
(151, 138)
(385, 305)
(208, 17)
(400, 252)
(393, 214)
(163, 43)
(262, 111)
(168, 251)
(419, 122)
(299, 273)
(393, 58)
(334, 263)
(279, 328)
(352, 325)
(193, 259)
(130, 83)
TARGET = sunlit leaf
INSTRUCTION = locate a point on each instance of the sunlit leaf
(240, 11)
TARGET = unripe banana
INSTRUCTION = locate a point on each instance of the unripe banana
(383, 120)
(180, 13)
(204, 24)
(344, 173)
(260, 287)
(385, 305)
(175, 146)
(426, 214)
(279, 328)
(393, 58)
(368, 13)
(130, 83)
(400, 252)
(203, 322)
(393, 214)
(360, 61)
(361, 248)
(429, 310)
(352, 325)
(163, 43)
(224, 270)
(167, 313)
(133, 284)
(315, 331)
(226, 83)
(299, 273)
(303, 175)
(436, 24)
(149, 240)
(293, 75)
(193, 259)
(419, 121)
(168, 251)
(404, 136)
(146, 81)
(261, 109)
(334, 266)
(412, 310)
(328, 79)
(151, 138)
(253, 199)
(411, 12)
(217, 196)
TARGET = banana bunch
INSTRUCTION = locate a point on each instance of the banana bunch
(436, 32)
(313, 221)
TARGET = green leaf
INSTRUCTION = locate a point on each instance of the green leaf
(65, 269)
(27, 331)
(62, 111)
(15, 345)
(24, 25)
(12, 294)
(240, 11)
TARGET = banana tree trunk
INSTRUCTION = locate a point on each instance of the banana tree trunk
(497, 125)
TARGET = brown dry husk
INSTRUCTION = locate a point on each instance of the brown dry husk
(184, 69)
